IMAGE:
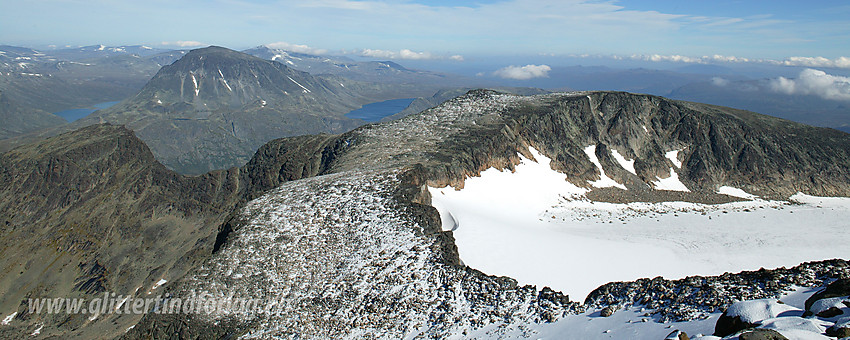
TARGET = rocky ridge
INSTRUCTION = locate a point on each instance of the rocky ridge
(309, 249)
(371, 182)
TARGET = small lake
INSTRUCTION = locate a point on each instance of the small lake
(375, 111)
(74, 114)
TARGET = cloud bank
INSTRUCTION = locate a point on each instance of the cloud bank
(814, 82)
(840, 62)
(404, 54)
(296, 48)
(183, 43)
(523, 72)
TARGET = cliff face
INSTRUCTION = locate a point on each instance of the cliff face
(343, 223)
(91, 211)
(716, 146)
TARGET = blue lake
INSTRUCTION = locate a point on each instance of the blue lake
(375, 111)
(74, 114)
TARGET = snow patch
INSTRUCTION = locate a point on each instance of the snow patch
(224, 80)
(8, 318)
(795, 327)
(629, 165)
(302, 86)
(195, 83)
(824, 304)
(604, 181)
(754, 311)
(735, 192)
(629, 323)
(821, 202)
(37, 331)
(121, 303)
(159, 283)
(671, 183)
(673, 156)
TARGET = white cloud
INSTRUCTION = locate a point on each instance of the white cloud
(408, 54)
(840, 62)
(814, 82)
(378, 53)
(183, 43)
(296, 48)
(404, 54)
(523, 72)
(693, 60)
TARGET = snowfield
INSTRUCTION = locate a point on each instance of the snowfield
(536, 227)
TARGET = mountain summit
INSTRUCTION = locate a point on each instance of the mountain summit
(216, 78)
(214, 107)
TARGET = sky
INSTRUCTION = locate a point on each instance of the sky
(444, 29)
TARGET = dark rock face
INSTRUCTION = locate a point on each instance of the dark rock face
(762, 334)
(91, 211)
(838, 288)
(728, 325)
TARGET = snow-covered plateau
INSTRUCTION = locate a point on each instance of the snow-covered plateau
(533, 225)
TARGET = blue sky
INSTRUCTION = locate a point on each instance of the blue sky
(441, 29)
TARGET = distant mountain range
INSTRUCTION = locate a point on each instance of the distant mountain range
(205, 109)
(757, 96)
(214, 107)
(368, 71)
(43, 82)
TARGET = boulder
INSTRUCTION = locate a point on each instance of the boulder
(838, 332)
(762, 334)
(607, 311)
(835, 289)
(826, 307)
(748, 314)
(831, 312)
(728, 325)
(677, 335)
(841, 328)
